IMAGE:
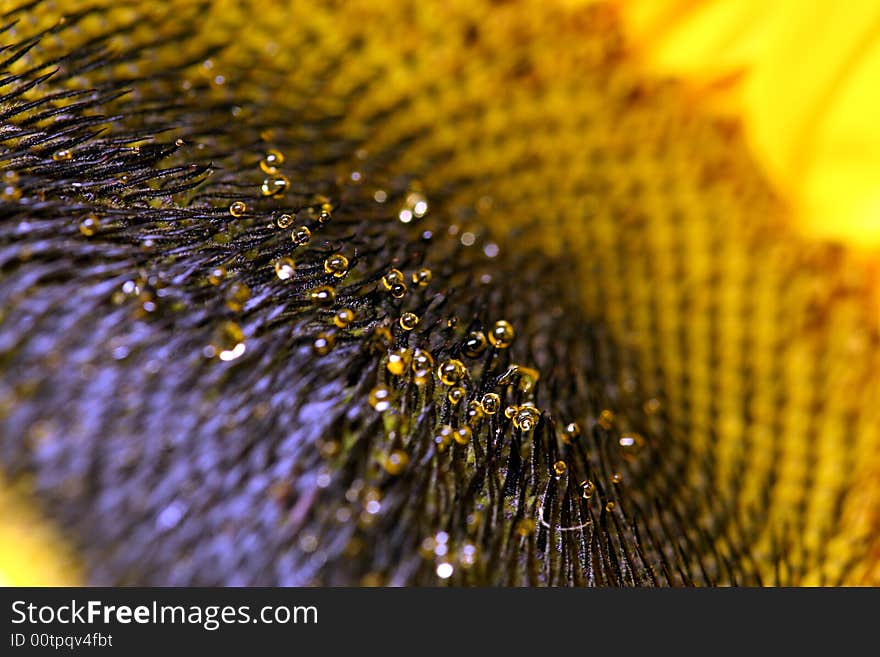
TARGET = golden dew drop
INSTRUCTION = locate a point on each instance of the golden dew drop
(301, 235)
(588, 488)
(462, 435)
(284, 268)
(396, 462)
(398, 361)
(237, 295)
(455, 395)
(571, 432)
(238, 209)
(216, 276)
(271, 161)
(343, 317)
(408, 321)
(526, 418)
(451, 372)
(474, 344)
(380, 398)
(275, 185)
(62, 155)
(631, 444)
(323, 344)
(284, 221)
(398, 290)
(336, 264)
(491, 403)
(422, 364)
(392, 278)
(560, 468)
(502, 334)
(422, 277)
(323, 296)
(90, 225)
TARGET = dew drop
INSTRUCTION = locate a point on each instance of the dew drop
(502, 334)
(380, 398)
(451, 372)
(491, 403)
(336, 264)
(284, 268)
(408, 321)
(422, 277)
(343, 317)
(90, 225)
(398, 361)
(301, 235)
(396, 461)
(323, 344)
(323, 296)
(455, 395)
(271, 161)
(238, 208)
(275, 185)
(474, 344)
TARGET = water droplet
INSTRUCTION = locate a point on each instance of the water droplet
(560, 468)
(396, 462)
(228, 341)
(606, 419)
(462, 435)
(323, 296)
(408, 321)
(217, 275)
(422, 277)
(275, 185)
(652, 406)
(610, 506)
(502, 334)
(323, 344)
(526, 418)
(380, 398)
(444, 437)
(284, 268)
(571, 432)
(616, 478)
(284, 221)
(238, 208)
(491, 403)
(237, 295)
(588, 488)
(422, 364)
(455, 395)
(451, 372)
(343, 317)
(631, 444)
(301, 235)
(398, 290)
(391, 278)
(336, 264)
(90, 225)
(474, 344)
(271, 161)
(510, 411)
(474, 412)
(62, 155)
(398, 361)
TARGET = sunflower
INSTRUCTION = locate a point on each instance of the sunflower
(474, 293)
